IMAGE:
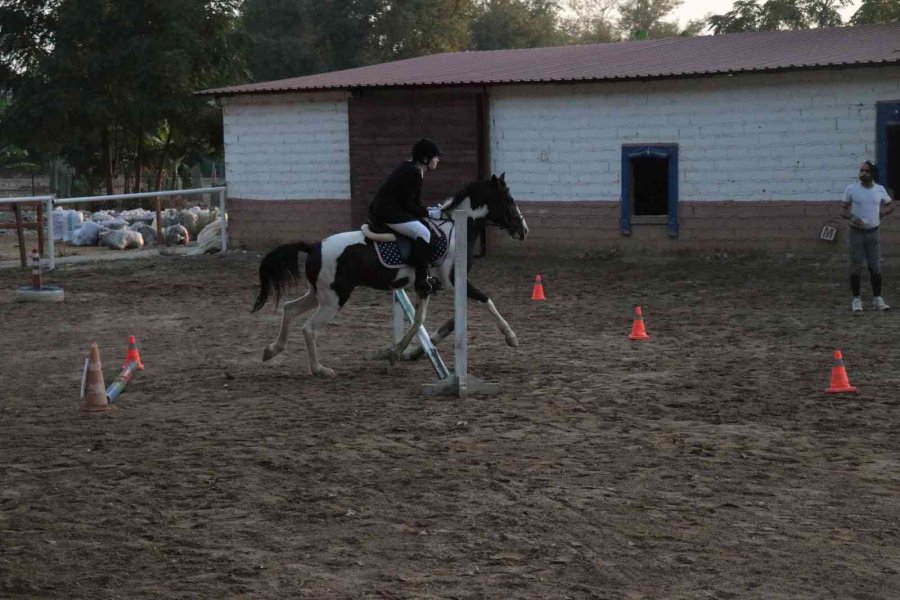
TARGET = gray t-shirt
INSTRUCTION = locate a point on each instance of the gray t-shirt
(865, 203)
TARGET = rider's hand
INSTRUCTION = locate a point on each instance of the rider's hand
(434, 212)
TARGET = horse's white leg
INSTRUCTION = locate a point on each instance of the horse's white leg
(419, 318)
(328, 308)
(502, 325)
(289, 311)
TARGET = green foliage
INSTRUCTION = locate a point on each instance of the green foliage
(93, 79)
(773, 15)
(287, 38)
(409, 28)
(643, 19)
(877, 11)
(501, 24)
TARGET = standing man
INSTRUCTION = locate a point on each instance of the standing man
(865, 203)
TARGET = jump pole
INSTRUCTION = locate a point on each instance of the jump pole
(402, 305)
(461, 383)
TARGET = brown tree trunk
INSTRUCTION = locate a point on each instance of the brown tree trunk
(107, 162)
(138, 166)
(162, 161)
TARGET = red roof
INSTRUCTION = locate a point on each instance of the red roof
(670, 57)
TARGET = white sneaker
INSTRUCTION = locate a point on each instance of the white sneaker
(878, 303)
(856, 305)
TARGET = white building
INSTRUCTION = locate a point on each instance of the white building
(733, 141)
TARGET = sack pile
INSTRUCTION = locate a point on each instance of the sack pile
(137, 227)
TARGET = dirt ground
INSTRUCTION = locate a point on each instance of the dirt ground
(707, 462)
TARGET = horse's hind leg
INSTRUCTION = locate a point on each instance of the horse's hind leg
(311, 329)
(290, 311)
(419, 318)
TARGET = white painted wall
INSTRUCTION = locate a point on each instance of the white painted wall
(788, 136)
(287, 146)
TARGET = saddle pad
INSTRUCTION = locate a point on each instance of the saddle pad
(395, 255)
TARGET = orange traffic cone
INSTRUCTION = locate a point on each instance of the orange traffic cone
(133, 355)
(637, 330)
(839, 380)
(538, 293)
(94, 389)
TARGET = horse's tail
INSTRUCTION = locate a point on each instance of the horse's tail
(279, 268)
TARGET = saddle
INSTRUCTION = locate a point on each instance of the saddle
(394, 250)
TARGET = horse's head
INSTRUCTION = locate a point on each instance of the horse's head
(502, 209)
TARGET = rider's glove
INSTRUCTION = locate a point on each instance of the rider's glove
(434, 212)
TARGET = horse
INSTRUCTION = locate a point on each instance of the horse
(336, 265)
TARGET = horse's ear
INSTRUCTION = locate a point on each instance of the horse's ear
(493, 179)
(503, 177)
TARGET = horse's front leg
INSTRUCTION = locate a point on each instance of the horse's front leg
(421, 310)
(289, 311)
(473, 293)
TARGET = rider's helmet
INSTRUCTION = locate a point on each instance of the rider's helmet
(424, 150)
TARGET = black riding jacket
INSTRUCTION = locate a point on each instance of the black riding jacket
(399, 199)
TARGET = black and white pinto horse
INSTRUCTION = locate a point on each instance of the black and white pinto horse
(341, 262)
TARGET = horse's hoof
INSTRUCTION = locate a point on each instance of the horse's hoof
(268, 354)
(512, 340)
(393, 357)
(324, 372)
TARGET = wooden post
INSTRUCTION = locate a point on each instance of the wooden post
(20, 237)
(40, 225)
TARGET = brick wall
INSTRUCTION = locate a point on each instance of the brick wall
(583, 226)
(384, 126)
(262, 224)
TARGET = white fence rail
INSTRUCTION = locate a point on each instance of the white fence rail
(52, 201)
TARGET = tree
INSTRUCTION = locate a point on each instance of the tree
(409, 28)
(877, 11)
(107, 76)
(644, 19)
(591, 22)
(290, 38)
(773, 15)
(501, 24)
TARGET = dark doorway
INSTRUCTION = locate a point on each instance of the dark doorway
(887, 135)
(891, 176)
(650, 185)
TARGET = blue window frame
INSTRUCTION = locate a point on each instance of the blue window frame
(887, 125)
(666, 152)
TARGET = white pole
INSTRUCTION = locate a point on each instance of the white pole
(51, 245)
(460, 223)
(224, 220)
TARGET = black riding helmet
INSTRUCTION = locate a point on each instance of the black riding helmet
(424, 150)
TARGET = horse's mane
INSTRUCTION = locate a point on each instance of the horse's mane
(458, 197)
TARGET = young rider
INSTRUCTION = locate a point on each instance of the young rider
(398, 205)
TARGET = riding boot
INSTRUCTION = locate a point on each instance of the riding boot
(421, 252)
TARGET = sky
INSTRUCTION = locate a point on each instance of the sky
(697, 9)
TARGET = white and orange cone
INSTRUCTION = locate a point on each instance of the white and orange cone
(95, 389)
